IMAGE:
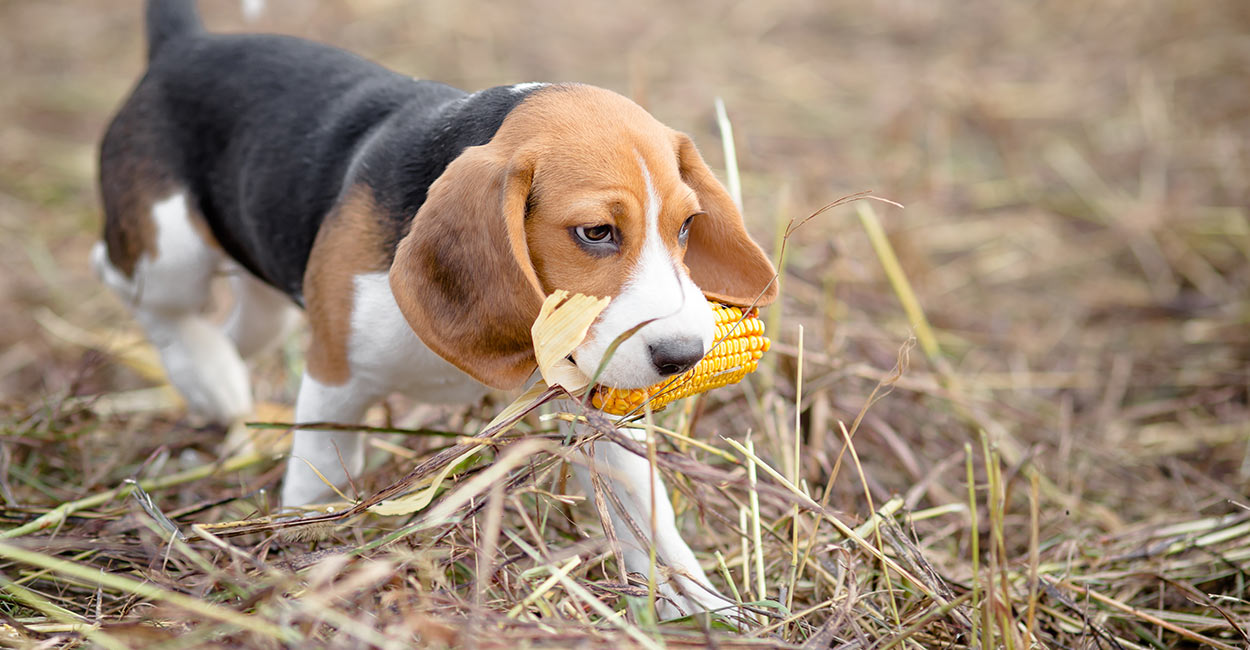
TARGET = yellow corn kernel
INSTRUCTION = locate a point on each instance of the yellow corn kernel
(736, 351)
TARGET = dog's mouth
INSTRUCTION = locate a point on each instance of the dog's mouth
(739, 345)
(613, 369)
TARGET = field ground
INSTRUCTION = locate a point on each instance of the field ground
(1075, 234)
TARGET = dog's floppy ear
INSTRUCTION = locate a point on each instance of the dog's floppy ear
(462, 275)
(724, 261)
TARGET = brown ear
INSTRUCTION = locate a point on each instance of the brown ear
(724, 261)
(462, 275)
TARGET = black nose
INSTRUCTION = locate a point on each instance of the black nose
(672, 356)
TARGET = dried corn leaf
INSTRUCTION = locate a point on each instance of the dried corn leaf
(561, 326)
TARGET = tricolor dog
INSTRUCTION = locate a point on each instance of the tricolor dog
(420, 228)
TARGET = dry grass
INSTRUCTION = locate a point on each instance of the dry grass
(1060, 459)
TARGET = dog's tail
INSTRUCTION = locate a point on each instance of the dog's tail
(169, 20)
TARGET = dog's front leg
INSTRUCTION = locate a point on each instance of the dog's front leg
(336, 455)
(637, 487)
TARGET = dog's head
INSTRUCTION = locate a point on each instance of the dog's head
(580, 189)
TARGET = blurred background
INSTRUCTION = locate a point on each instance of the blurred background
(1076, 179)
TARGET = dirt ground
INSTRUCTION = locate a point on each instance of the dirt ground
(1075, 179)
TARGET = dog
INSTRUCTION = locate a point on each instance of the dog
(419, 227)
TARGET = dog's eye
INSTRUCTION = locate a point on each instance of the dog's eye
(597, 240)
(594, 234)
(684, 233)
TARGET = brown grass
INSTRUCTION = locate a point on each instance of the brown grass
(1061, 458)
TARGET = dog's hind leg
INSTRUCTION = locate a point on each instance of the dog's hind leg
(171, 260)
(261, 314)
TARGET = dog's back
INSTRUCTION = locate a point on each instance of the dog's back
(256, 129)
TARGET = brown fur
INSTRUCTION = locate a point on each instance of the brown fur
(132, 180)
(348, 244)
(473, 270)
(462, 276)
(723, 259)
(129, 191)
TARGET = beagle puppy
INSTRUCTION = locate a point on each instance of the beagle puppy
(420, 228)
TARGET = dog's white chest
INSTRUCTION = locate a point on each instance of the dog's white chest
(385, 353)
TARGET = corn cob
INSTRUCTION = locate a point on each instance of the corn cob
(736, 351)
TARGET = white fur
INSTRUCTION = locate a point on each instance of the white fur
(657, 288)
(252, 9)
(385, 356)
(526, 86)
(168, 293)
(627, 475)
(335, 454)
(261, 314)
(177, 278)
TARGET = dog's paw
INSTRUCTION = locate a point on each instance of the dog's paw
(693, 599)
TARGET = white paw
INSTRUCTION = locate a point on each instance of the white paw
(336, 455)
(693, 599)
(302, 486)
